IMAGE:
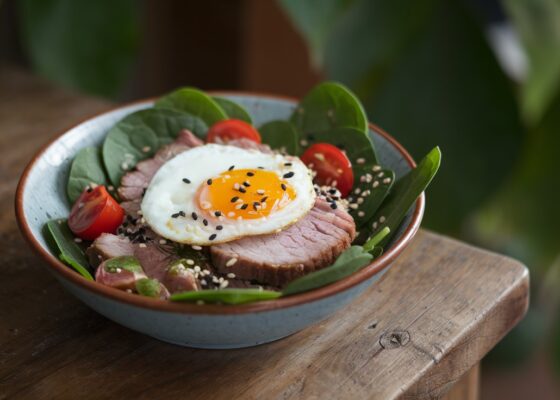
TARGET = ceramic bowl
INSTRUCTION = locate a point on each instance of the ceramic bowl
(41, 197)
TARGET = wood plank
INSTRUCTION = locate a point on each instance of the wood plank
(438, 311)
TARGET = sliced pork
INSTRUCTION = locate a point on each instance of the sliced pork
(276, 259)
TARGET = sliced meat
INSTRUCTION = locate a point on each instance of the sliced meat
(276, 259)
(154, 259)
(122, 279)
(134, 183)
(178, 278)
(109, 246)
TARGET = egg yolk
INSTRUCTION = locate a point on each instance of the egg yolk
(245, 193)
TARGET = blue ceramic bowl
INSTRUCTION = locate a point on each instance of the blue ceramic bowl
(41, 197)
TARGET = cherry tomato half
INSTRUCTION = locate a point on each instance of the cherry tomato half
(230, 129)
(331, 165)
(95, 212)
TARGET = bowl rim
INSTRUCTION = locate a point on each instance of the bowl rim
(66, 273)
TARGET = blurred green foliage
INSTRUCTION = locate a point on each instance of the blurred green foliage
(425, 72)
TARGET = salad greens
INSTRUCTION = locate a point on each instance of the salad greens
(328, 113)
(329, 105)
(280, 135)
(232, 109)
(226, 296)
(62, 242)
(139, 135)
(86, 168)
(194, 102)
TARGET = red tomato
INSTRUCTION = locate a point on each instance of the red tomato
(331, 165)
(95, 212)
(230, 129)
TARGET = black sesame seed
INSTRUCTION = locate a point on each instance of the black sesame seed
(219, 227)
(182, 213)
(89, 189)
(244, 206)
(283, 186)
(209, 181)
(332, 191)
(264, 199)
(194, 216)
(218, 213)
(333, 206)
(234, 199)
(288, 164)
(250, 173)
(205, 222)
(242, 190)
(176, 215)
(232, 167)
(246, 184)
(260, 167)
(256, 205)
(186, 180)
(288, 175)
(212, 236)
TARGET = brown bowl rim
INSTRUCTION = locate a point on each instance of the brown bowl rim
(362, 275)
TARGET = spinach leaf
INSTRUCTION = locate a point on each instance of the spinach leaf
(280, 135)
(87, 168)
(62, 242)
(226, 296)
(148, 287)
(371, 183)
(232, 109)
(350, 261)
(194, 102)
(405, 192)
(329, 105)
(140, 134)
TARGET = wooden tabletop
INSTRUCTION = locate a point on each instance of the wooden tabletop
(424, 327)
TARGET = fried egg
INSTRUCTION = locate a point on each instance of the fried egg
(218, 193)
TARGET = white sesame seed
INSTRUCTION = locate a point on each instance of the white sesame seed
(231, 261)
(203, 283)
(162, 241)
(224, 284)
(374, 225)
(319, 156)
(118, 270)
(142, 245)
(360, 200)
(205, 205)
(260, 191)
(376, 168)
(77, 240)
(231, 275)
(353, 206)
(303, 142)
(375, 184)
(357, 191)
(196, 247)
(361, 213)
(197, 268)
(124, 166)
(146, 149)
(190, 262)
(360, 160)
(387, 181)
(128, 290)
(111, 188)
(382, 219)
(381, 174)
(231, 214)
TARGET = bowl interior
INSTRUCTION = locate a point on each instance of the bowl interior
(44, 194)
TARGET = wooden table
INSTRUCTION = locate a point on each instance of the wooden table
(419, 333)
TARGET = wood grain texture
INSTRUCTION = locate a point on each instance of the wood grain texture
(436, 313)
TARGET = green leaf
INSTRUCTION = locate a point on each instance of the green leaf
(148, 287)
(368, 177)
(426, 74)
(195, 103)
(62, 242)
(86, 45)
(128, 263)
(139, 135)
(87, 168)
(350, 261)
(280, 135)
(314, 18)
(329, 105)
(232, 109)
(371, 244)
(226, 296)
(405, 192)
(522, 220)
(538, 24)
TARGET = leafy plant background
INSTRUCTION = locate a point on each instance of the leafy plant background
(425, 72)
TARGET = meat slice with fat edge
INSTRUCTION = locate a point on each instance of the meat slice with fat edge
(134, 183)
(275, 259)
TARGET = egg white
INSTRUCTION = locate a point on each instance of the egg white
(167, 194)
